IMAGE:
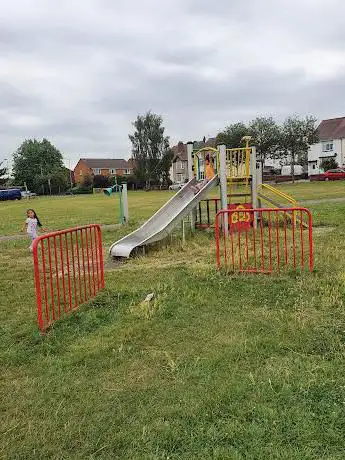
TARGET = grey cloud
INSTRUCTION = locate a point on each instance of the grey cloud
(14, 98)
(83, 71)
(181, 90)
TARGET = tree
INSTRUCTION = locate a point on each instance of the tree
(328, 163)
(38, 163)
(101, 181)
(149, 146)
(87, 181)
(166, 163)
(265, 135)
(296, 137)
(51, 182)
(3, 172)
(232, 135)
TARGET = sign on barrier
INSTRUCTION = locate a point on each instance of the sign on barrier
(69, 271)
(276, 239)
(239, 220)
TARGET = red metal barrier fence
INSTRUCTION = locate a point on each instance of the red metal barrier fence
(264, 240)
(69, 271)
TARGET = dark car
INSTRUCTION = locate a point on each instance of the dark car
(335, 174)
(10, 194)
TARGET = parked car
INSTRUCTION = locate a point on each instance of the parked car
(177, 186)
(335, 174)
(10, 194)
(27, 194)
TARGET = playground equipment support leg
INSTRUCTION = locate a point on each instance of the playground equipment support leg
(190, 145)
(125, 203)
(254, 165)
(223, 183)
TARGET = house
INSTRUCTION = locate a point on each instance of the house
(104, 167)
(331, 145)
(179, 167)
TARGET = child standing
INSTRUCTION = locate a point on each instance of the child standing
(31, 224)
(209, 175)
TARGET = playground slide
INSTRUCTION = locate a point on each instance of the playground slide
(164, 220)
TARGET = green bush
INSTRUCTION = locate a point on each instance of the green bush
(81, 190)
(328, 163)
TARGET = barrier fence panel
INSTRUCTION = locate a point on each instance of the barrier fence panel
(264, 240)
(69, 271)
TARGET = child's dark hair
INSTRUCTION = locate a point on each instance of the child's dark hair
(35, 216)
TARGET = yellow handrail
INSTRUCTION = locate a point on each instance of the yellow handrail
(279, 193)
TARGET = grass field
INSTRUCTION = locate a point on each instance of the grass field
(61, 212)
(219, 367)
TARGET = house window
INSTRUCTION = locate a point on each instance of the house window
(81, 173)
(181, 165)
(314, 166)
(112, 171)
(179, 178)
(96, 171)
(327, 146)
(127, 172)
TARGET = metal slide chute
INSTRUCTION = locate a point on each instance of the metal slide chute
(164, 220)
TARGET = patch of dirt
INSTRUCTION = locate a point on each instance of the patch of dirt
(322, 230)
(114, 264)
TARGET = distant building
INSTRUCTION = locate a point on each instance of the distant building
(102, 167)
(331, 145)
(179, 167)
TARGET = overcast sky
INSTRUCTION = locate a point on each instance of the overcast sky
(79, 71)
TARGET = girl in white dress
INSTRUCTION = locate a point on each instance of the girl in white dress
(31, 225)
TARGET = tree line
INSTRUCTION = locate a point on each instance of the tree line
(39, 164)
(286, 142)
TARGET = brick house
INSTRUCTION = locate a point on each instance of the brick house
(101, 167)
(179, 167)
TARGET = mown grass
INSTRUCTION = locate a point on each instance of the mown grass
(314, 190)
(61, 212)
(216, 367)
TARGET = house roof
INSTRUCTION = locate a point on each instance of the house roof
(106, 163)
(180, 150)
(211, 142)
(331, 129)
